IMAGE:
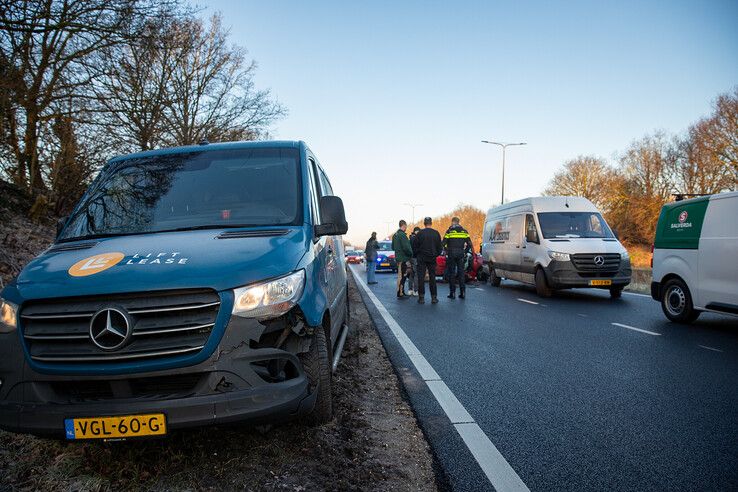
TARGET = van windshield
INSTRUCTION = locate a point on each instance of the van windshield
(194, 190)
(573, 225)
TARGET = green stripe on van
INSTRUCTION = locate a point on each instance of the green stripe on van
(680, 224)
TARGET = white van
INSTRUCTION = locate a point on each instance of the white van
(554, 242)
(695, 257)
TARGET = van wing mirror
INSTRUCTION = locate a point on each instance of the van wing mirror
(60, 224)
(532, 236)
(332, 216)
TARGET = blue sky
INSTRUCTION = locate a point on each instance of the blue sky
(394, 97)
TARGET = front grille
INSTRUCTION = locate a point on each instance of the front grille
(585, 262)
(164, 324)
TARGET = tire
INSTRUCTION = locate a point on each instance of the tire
(317, 366)
(616, 292)
(493, 278)
(676, 302)
(542, 288)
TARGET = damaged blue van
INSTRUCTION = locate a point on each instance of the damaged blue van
(190, 286)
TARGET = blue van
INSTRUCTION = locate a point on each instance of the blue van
(190, 286)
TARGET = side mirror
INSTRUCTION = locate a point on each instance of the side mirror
(60, 224)
(332, 216)
(532, 236)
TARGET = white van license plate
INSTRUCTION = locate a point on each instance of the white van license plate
(600, 282)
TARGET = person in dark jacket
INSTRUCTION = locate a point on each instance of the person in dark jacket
(412, 278)
(456, 242)
(427, 248)
(403, 254)
(370, 251)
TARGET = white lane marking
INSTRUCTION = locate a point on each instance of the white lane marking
(478, 288)
(498, 471)
(636, 294)
(526, 300)
(479, 444)
(456, 412)
(582, 315)
(710, 348)
(636, 329)
(424, 368)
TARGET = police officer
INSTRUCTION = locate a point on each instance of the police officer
(456, 242)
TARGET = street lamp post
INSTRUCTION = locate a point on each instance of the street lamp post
(412, 206)
(504, 146)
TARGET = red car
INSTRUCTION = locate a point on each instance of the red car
(476, 272)
(355, 256)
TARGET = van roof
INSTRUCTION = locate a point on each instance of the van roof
(715, 196)
(546, 204)
(214, 146)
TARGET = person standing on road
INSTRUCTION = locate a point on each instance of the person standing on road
(456, 242)
(412, 278)
(403, 254)
(370, 251)
(427, 247)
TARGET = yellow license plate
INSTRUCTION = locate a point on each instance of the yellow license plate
(600, 282)
(384, 264)
(120, 427)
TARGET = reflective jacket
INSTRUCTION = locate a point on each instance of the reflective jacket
(457, 240)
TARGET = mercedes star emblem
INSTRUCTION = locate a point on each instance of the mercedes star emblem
(599, 260)
(110, 329)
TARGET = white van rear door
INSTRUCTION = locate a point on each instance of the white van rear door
(718, 253)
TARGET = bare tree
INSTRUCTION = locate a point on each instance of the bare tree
(586, 176)
(47, 50)
(213, 88)
(134, 91)
(709, 161)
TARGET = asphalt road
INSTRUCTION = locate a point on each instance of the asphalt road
(582, 392)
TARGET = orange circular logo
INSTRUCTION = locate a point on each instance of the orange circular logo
(95, 264)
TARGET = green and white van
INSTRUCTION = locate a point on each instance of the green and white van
(695, 257)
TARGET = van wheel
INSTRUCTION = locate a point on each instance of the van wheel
(616, 292)
(493, 278)
(542, 288)
(676, 302)
(317, 365)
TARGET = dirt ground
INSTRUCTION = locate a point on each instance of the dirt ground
(374, 443)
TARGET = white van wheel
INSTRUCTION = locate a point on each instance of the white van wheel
(542, 288)
(676, 302)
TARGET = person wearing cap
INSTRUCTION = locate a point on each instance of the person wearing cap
(456, 242)
(428, 247)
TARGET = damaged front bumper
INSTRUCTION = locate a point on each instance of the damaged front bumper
(245, 379)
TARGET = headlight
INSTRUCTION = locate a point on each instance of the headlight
(625, 255)
(269, 299)
(8, 318)
(555, 255)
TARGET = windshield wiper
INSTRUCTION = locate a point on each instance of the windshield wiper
(135, 233)
(206, 226)
(93, 236)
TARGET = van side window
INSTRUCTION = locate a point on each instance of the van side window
(325, 185)
(313, 192)
(531, 232)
